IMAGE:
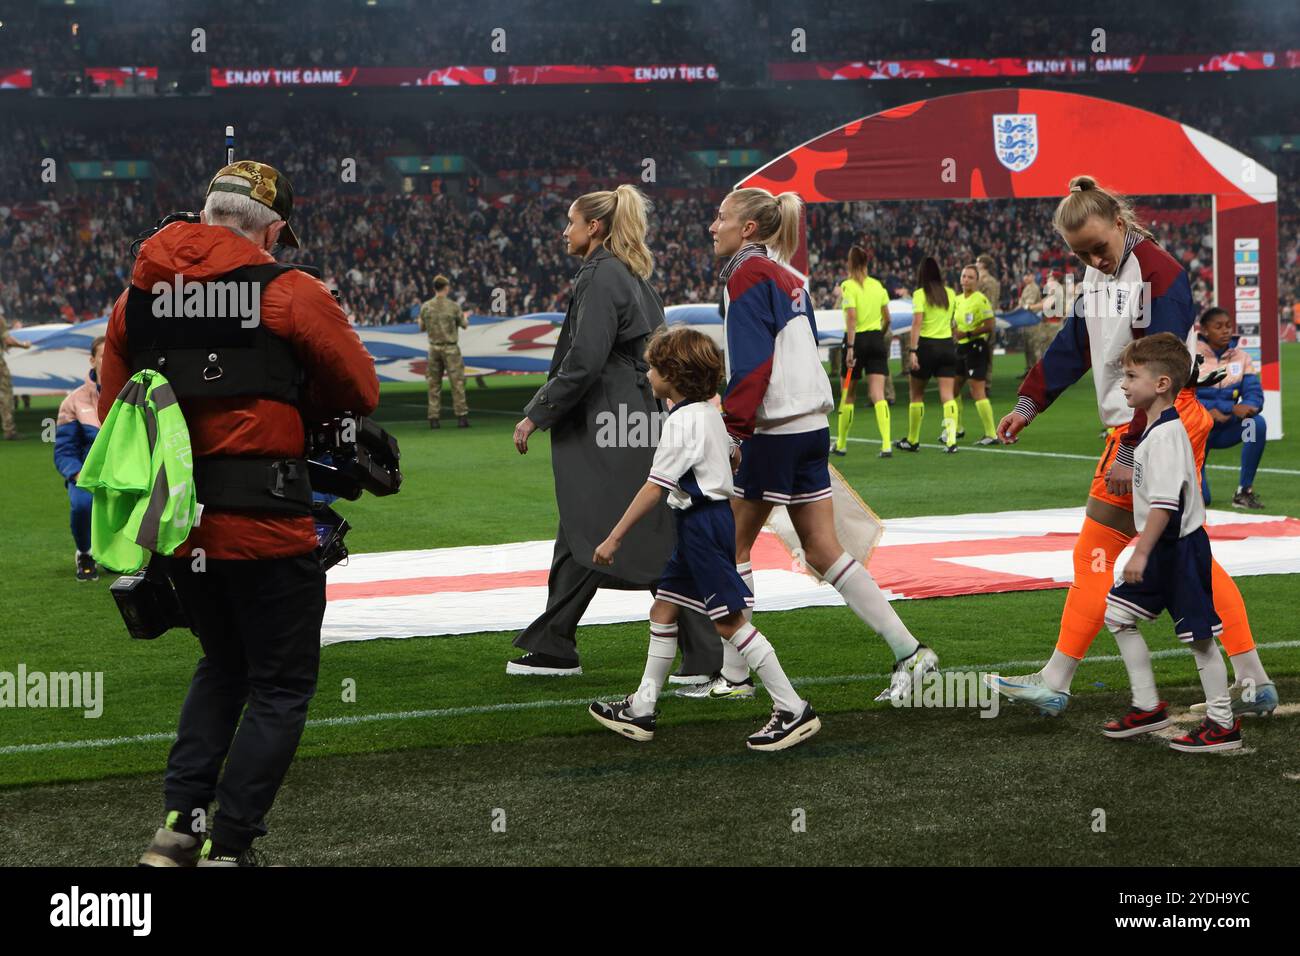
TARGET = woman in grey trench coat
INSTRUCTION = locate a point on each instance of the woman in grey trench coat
(601, 413)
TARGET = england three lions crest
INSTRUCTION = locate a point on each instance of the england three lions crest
(1015, 139)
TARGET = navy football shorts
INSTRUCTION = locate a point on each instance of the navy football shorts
(1177, 580)
(785, 469)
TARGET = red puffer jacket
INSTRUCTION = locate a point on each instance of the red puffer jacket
(297, 307)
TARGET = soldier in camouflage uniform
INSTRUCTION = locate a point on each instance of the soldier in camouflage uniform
(988, 284)
(442, 319)
(1051, 306)
(6, 383)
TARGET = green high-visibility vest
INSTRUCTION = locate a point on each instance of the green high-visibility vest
(140, 473)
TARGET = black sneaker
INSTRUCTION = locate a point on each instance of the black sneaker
(904, 445)
(1245, 498)
(86, 568)
(1137, 721)
(837, 452)
(950, 449)
(462, 422)
(786, 730)
(247, 857)
(544, 665)
(615, 716)
(1209, 737)
(434, 423)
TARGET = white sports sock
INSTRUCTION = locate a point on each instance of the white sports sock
(746, 571)
(1214, 681)
(658, 662)
(734, 667)
(1248, 667)
(761, 656)
(1137, 661)
(1059, 671)
(868, 602)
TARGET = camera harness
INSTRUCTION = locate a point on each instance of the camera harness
(217, 357)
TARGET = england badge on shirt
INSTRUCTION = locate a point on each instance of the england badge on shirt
(1015, 139)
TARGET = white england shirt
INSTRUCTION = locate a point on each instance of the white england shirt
(693, 460)
(1164, 476)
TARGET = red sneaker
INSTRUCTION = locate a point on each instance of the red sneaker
(1209, 737)
(1137, 721)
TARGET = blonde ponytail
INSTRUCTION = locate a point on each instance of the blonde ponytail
(1087, 199)
(623, 211)
(777, 218)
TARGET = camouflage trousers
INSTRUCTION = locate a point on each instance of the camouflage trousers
(1037, 339)
(6, 399)
(446, 359)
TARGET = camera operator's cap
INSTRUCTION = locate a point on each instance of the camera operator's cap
(264, 183)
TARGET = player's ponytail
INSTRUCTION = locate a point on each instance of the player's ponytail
(776, 218)
(858, 264)
(623, 212)
(1087, 199)
(930, 280)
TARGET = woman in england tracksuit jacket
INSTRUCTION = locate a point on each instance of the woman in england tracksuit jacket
(775, 405)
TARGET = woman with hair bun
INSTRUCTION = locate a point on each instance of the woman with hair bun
(1132, 288)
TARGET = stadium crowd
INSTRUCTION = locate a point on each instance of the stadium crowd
(380, 240)
(731, 33)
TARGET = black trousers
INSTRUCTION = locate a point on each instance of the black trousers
(570, 588)
(259, 624)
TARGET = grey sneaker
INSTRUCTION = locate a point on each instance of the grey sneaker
(1245, 498)
(171, 848)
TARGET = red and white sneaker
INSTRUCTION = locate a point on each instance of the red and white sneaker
(1209, 737)
(1137, 721)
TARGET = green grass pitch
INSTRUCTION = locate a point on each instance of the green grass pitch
(439, 742)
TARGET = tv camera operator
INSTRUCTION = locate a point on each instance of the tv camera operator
(248, 578)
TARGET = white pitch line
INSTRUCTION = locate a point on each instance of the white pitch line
(571, 702)
(1002, 450)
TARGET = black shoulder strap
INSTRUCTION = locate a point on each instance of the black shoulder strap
(215, 356)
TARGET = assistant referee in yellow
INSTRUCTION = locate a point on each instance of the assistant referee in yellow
(866, 348)
(973, 325)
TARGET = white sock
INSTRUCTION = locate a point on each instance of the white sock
(1214, 681)
(1059, 671)
(658, 662)
(1248, 667)
(1137, 661)
(734, 667)
(760, 655)
(868, 602)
